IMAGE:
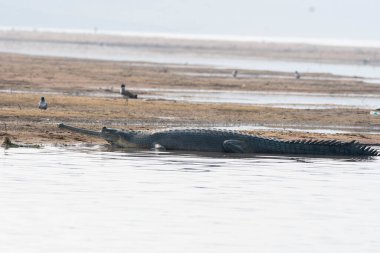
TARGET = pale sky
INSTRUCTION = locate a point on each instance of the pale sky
(326, 19)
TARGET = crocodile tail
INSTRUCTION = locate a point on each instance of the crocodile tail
(329, 147)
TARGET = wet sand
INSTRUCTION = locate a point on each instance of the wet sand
(65, 82)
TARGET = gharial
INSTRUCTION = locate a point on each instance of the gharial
(205, 140)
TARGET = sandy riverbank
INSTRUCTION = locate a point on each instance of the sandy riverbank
(63, 78)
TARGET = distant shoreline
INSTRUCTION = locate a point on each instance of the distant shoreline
(203, 37)
(286, 57)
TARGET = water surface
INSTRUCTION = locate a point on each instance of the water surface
(271, 99)
(79, 199)
(297, 100)
(103, 51)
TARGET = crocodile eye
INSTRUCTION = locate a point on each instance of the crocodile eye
(109, 130)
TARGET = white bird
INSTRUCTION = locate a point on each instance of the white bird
(43, 105)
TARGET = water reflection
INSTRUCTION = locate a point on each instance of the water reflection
(92, 199)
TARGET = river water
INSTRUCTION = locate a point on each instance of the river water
(132, 53)
(88, 199)
(270, 99)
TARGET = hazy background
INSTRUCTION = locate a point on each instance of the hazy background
(322, 19)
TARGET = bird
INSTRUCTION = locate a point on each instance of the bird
(297, 75)
(122, 89)
(43, 105)
(126, 93)
(234, 73)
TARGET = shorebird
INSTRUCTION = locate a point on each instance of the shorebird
(43, 105)
(297, 75)
(122, 89)
(234, 73)
(126, 93)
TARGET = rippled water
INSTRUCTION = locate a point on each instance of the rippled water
(79, 199)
